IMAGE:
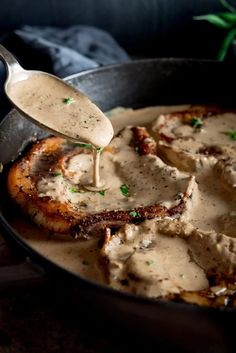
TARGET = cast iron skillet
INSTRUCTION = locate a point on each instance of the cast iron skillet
(136, 84)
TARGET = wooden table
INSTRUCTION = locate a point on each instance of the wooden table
(36, 316)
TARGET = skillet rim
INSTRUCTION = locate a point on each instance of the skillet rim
(47, 263)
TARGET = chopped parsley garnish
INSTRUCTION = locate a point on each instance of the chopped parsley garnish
(149, 262)
(56, 174)
(231, 134)
(74, 189)
(88, 145)
(124, 190)
(84, 145)
(196, 123)
(102, 192)
(68, 100)
(135, 214)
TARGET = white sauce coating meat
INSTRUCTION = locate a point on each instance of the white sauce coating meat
(145, 177)
(159, 258)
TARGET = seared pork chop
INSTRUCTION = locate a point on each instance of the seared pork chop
(188, 139)
(47, 183)
(160, 257)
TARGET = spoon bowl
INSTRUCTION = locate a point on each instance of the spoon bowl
(54, 105)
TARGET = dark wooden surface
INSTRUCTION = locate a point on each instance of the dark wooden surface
(34, 318)
(37, 317)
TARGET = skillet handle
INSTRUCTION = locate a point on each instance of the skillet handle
(17, 277)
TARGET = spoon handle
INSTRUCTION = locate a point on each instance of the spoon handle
(9, 60)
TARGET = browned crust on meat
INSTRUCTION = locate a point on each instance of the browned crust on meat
(196, 112)
(210, 151)
(117, 218)
(59, 216)
(144, 143)
(56, 216)
(178, 209)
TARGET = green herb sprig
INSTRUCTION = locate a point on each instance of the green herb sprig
(89, 146)
(135, 214)
(84, 145)
(68, 100)
(196, 123)
(231, 134)
(73, 189)
(225, 21)
(124, 189)
(55, 174)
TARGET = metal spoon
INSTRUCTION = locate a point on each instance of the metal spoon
(72, 116)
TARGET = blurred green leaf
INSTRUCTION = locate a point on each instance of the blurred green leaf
(228, 17)
(215, 20)
(224, 20)
(226, 43)
(227, 5)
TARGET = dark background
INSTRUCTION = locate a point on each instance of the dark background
(143, 27)
(33, 322)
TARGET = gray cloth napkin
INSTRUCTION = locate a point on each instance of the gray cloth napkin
(61, 51)
(73, 49)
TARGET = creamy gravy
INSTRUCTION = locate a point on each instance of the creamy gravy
(159, 257)
(145, 252)
(81, 257)
(60, 107)
(214, 204)
(145, 176)
(213, 131)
